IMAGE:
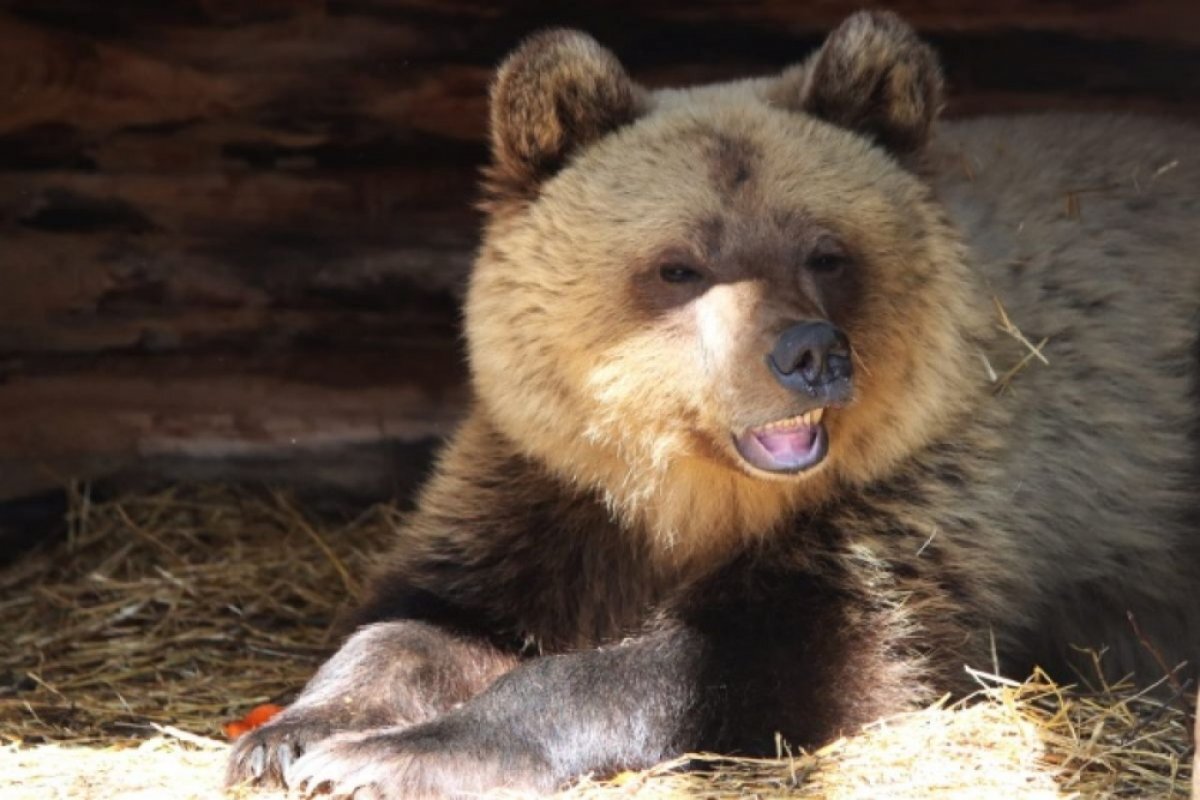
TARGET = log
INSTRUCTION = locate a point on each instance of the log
(69, 418)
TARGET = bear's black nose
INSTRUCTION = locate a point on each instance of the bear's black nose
(812, 357)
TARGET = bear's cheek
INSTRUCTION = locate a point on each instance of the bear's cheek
(653, 374)
(891, 356)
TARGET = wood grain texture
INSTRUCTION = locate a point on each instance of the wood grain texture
(227, 225)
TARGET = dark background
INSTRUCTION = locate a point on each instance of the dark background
(233, 233)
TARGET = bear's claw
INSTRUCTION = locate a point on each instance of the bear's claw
(265, 756)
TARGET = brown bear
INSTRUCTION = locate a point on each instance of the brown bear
(762, 438)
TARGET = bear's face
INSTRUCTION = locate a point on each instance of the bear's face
(717, 291)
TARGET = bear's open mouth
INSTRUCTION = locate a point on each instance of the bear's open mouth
(788, 445)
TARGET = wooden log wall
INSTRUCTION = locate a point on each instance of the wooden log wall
(233, 234)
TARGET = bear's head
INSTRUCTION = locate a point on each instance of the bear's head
(715, 305)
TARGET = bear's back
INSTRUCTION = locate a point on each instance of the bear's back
(1086, 229)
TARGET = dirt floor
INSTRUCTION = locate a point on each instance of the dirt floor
(161, 616)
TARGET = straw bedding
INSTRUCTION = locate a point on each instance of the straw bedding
(162, 615)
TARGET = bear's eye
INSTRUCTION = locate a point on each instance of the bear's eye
(679, 273)
(828, 258)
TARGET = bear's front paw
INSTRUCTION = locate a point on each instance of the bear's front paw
(264, 756)
(435, 760)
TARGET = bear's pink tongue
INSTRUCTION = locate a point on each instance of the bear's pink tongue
(789, 449)
(789, 444)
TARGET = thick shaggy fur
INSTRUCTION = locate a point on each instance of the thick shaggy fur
(591, 548)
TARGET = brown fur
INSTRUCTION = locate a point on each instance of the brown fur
(593, 507)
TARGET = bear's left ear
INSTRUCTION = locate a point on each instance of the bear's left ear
(873, 75)
(558, 91)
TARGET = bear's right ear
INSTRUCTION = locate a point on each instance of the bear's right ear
(557, 92)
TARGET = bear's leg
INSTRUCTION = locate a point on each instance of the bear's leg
(762, 654)
(387, 674)
(543, 723)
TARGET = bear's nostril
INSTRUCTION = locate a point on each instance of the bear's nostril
(808, 365)
(838, 365)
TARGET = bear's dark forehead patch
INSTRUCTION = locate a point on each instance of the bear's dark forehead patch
(732, 161)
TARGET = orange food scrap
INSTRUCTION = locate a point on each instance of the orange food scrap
(235, 728)
(255, 718)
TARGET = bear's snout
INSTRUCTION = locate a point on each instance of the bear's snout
(813, 358)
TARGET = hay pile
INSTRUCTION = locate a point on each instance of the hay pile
(163, 615)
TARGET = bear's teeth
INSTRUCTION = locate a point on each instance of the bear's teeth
(808, 419)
